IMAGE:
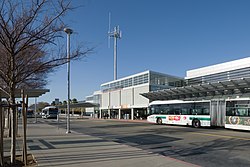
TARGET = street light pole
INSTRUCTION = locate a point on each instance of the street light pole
(69, 32)
(35, 110)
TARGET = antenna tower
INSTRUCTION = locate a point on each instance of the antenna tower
(116, 34)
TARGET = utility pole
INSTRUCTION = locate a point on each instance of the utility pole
(116, 34)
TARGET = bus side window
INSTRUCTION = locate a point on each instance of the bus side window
(184, 111)
(230, 112)
(204, 111)
(164, 111)
(194, 112)
(242, 112)
(177, 112)
(171, 112)
(190, 111)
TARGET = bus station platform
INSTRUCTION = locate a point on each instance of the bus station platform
(51, 146)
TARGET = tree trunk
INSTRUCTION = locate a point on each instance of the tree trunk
(24, 111)
(9, 122)
(1, 134)
(13, 129)
(16, 121)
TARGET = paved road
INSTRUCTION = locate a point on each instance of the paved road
(204, 146)
(103, 142)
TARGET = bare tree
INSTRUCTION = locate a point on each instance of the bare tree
(30, 31)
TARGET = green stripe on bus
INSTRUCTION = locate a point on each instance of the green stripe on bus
(163, 117)
(200, 118)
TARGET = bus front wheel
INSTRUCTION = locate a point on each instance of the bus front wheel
(196, 123)
(159, 121)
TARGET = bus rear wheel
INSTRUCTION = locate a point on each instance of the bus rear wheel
(159, 121)
(196, 123)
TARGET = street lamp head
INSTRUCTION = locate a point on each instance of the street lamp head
(68, 30)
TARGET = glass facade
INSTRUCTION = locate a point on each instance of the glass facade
(89, 98)
(127, 82)
(141, 79)
(160, 81)
(223, 76)
(156, 81)
(97, 98)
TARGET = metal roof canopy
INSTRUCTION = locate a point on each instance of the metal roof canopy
(29, 92)
(76, 105)
(220, 89)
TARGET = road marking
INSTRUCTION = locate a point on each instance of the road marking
(233, 137)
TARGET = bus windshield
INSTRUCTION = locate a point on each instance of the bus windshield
(50, 112)
(53, 110)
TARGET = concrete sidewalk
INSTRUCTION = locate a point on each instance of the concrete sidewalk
(53, 147)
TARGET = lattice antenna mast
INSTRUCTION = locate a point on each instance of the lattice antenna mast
(116, 34)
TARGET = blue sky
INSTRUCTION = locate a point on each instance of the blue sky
(168, 36)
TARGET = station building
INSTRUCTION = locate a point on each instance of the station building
(218, 83)
(121, 99)
(129, 97)
(95, 98)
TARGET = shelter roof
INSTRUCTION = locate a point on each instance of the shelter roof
(29, 92)
(78, 105)
(221, 89)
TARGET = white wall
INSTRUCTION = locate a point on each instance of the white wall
(128, 97)
(90, 109)
(105, 100)
(115, 98)
(139, 100)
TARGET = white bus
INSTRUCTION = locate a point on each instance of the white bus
(178, 112)
(238, 114)
(50, 112)
(230, 113)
